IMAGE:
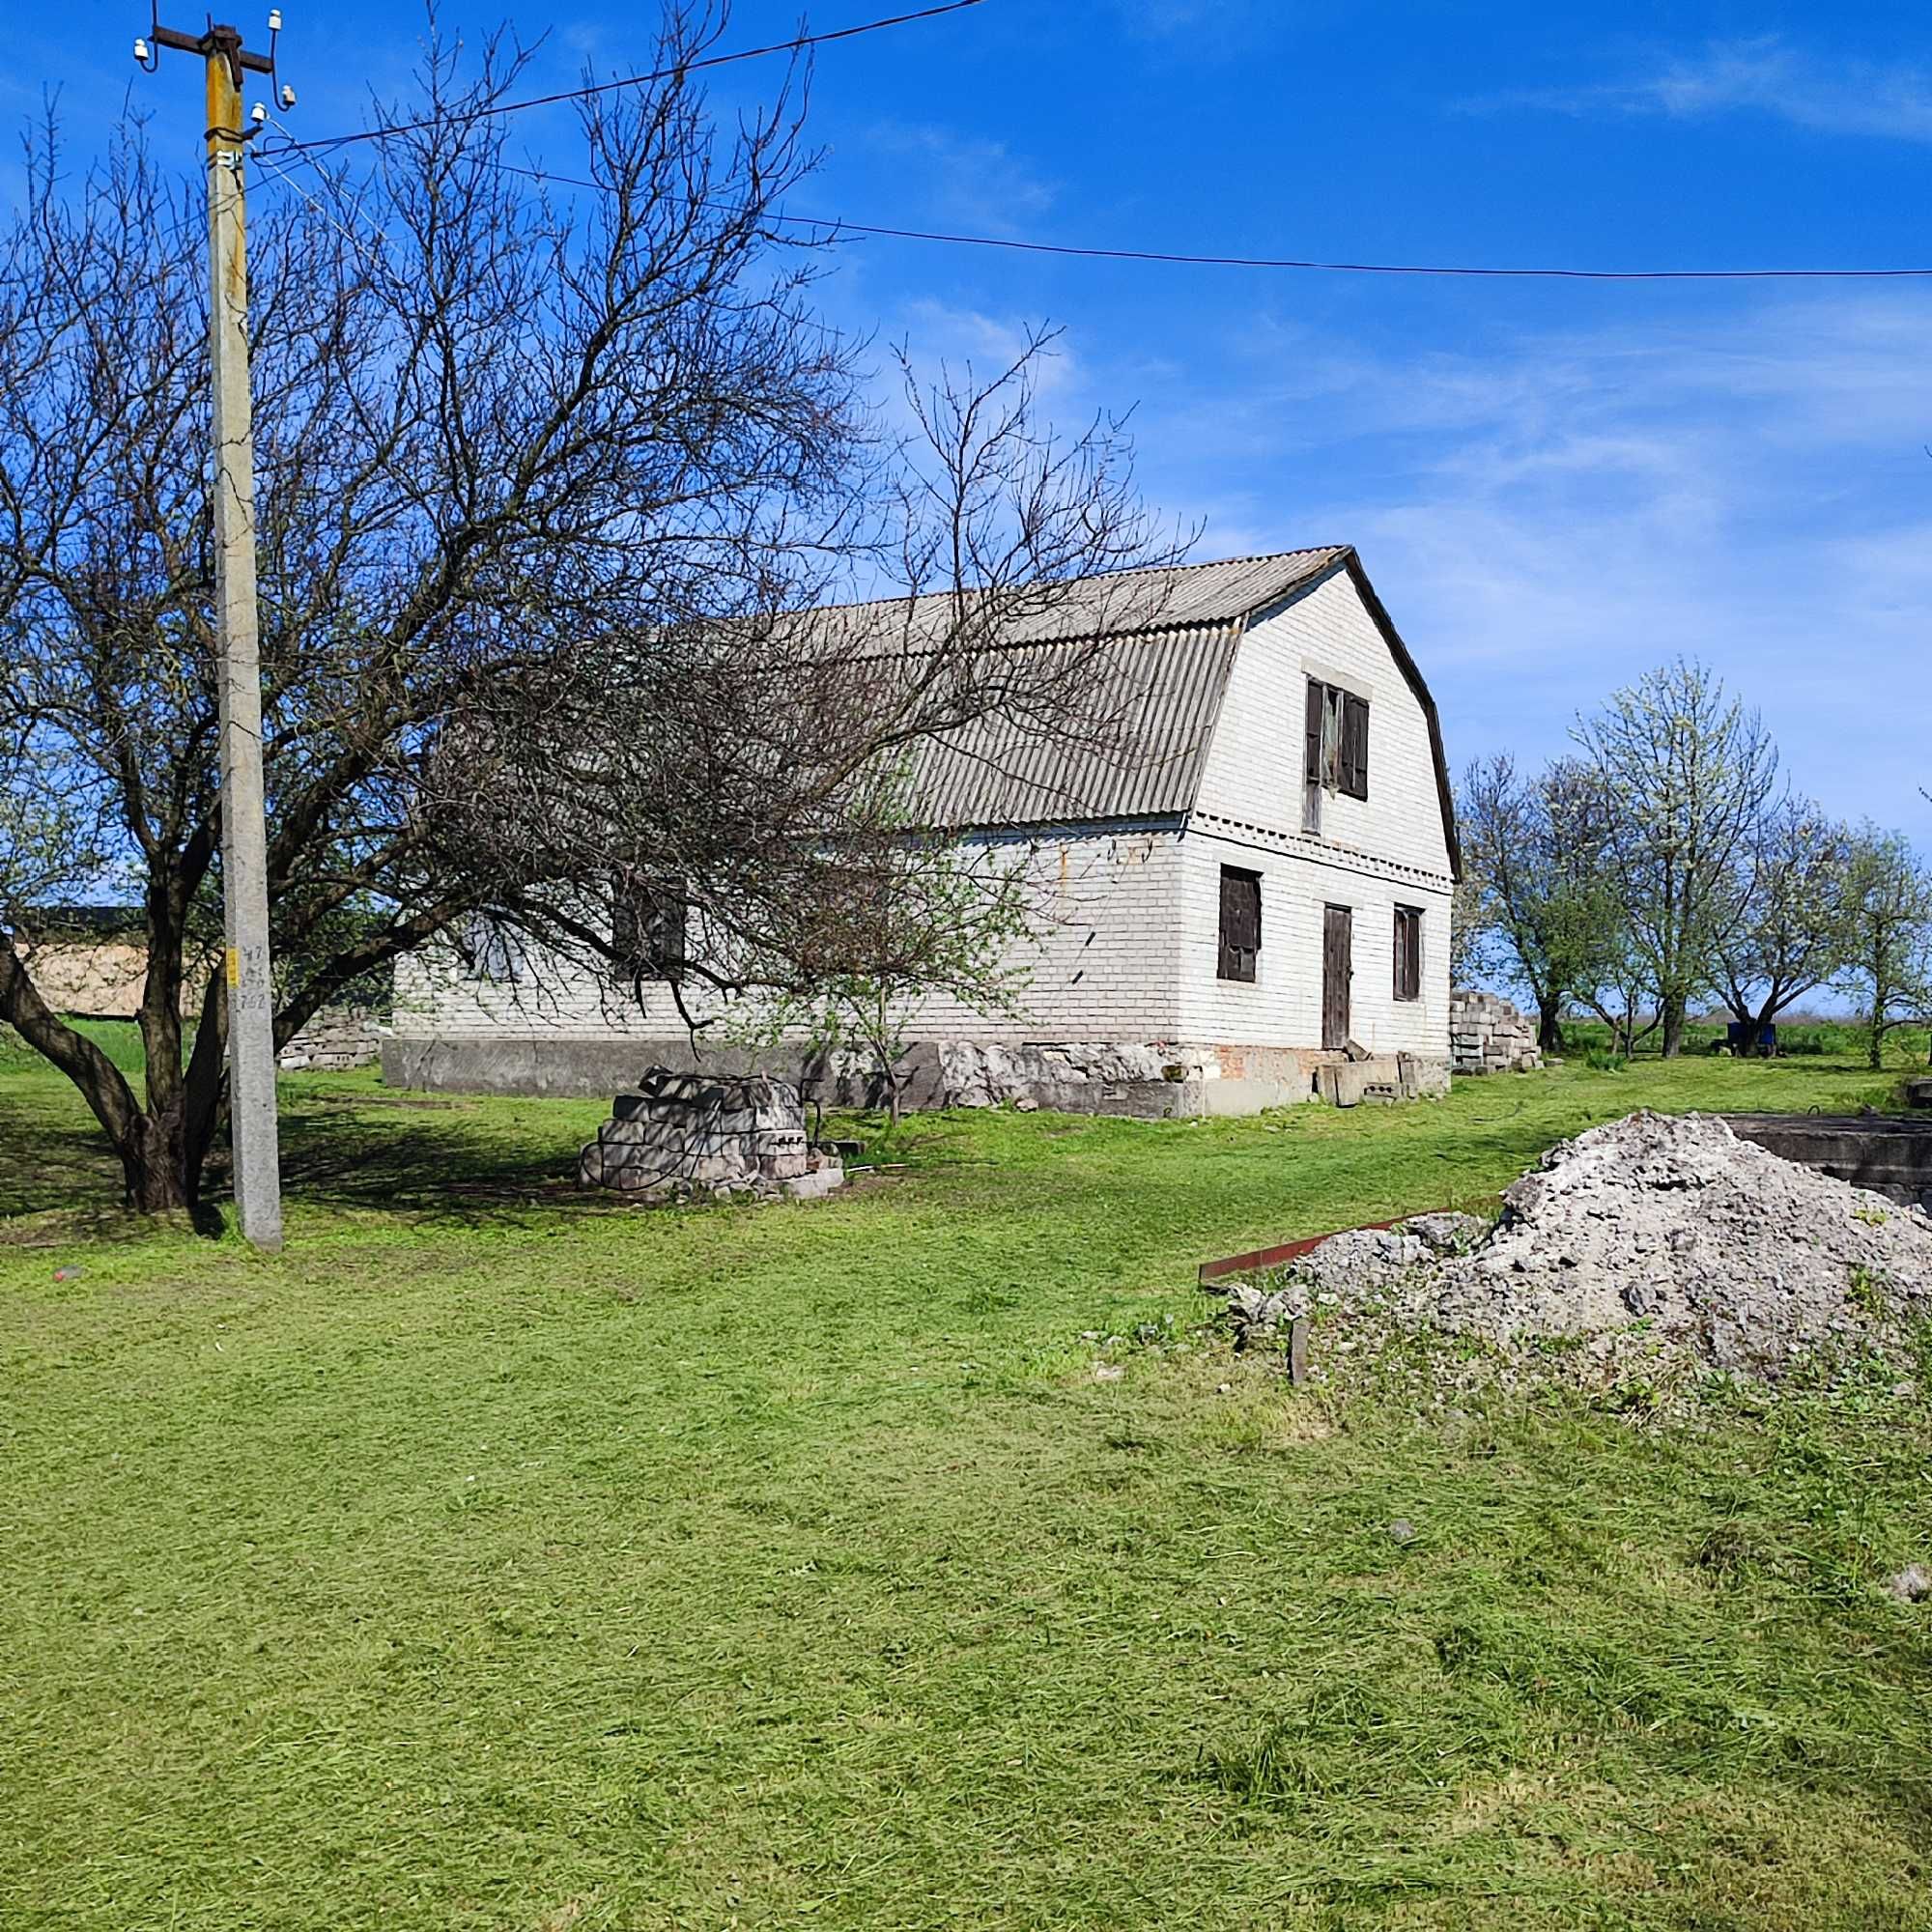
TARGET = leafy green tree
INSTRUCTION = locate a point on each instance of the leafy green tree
(1796, 927)
(1888, 969)
(1687, 774)
(1542, 913)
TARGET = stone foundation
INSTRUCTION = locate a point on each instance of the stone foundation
(1487, 1035)
(1154, 1081)
(686, 1134)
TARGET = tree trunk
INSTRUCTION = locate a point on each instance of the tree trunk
(1549, 1025)
(1750, 1035)
(153, 1160)
(1671, 1013)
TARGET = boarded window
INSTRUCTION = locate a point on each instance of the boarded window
(1352, 766)
(1408, 952)
(648, 925)
(1241, 923)
(1335, 752)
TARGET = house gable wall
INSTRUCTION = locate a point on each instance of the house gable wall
(1252, 774)
(1390, 849)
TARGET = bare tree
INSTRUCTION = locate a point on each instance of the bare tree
(542, 487)
(1546, 910)
(1685, 772)
(1796, 921)
(1887, 966)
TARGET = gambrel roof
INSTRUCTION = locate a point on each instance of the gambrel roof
(1171, 637)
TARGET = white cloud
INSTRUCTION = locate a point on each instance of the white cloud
(1550, 514)
(935, 333)
(1825, 91)
(964, 181)
(1209, 27)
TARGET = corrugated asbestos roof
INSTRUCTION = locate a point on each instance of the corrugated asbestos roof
(1164, 689)
(1170, 641)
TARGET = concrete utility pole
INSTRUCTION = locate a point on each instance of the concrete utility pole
(245, 862)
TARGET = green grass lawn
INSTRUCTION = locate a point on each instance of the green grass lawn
(495, 1560)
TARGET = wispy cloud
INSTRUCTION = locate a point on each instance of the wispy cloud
(1817, 90)
(1549, 514)
(963, 179)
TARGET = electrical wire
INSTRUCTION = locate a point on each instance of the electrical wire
(798, 44)
(835, 226)
(1069, 250)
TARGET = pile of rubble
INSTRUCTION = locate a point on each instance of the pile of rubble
(684, 1135)
(1655, 1243)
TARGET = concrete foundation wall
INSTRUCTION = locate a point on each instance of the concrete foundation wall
(1159, 1082)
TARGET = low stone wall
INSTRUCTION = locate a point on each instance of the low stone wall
(683, 1134)
(335, 1039)
(1487, 1035)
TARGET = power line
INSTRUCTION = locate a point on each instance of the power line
(835, 226)
(1096, 254)
(1069, 250)
(791, 46)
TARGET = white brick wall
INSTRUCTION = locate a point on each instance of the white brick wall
(1254, 770)
(1282, 1007)
(1127, 949)
(1104, 964)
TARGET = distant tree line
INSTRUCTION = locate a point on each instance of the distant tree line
(1663, 863)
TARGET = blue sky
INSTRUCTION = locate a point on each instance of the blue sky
(1554, 485)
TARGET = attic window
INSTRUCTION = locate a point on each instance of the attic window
(1336, 755)
(1241, 924)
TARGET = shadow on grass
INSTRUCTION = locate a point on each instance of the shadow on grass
(49, 1163)
(429, 1159)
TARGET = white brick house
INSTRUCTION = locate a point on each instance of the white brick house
(1261, 884)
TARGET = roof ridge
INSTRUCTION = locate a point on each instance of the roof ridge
(1125, 571)
(1213, 562)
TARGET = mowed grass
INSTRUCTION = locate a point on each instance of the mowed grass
(495, 1559)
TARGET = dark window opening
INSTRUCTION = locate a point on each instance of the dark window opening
(1408, 952)
(491, 950)
(1335, 755)
(1241, 924)
(648, 929)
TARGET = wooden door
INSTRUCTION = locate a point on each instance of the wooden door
(1338, 957)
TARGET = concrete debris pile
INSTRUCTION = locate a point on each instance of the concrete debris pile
(1658, 1241)
(682, 1135)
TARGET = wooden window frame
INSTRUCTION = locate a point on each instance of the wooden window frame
(1236, 962)
(1408, 954)
(1335, 748)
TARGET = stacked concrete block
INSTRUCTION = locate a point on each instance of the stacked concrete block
(683, 1134)
(1487, 1035)
(336, 1040)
